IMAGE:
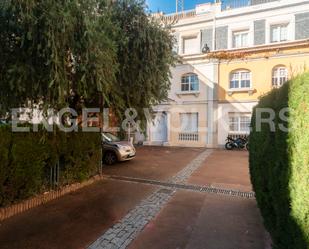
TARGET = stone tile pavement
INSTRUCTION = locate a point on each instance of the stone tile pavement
(126, 230)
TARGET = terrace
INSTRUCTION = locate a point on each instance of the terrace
(217, 6)
(234, 4)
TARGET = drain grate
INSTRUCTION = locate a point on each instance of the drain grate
(196, 188)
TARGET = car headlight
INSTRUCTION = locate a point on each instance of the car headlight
(122, 147)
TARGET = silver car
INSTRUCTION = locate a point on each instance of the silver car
(115, 150)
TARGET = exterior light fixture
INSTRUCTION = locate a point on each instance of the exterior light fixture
(205, 49)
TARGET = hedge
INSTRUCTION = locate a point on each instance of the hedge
(279, 165)
(26, 160)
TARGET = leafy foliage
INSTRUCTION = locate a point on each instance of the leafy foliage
(26, 160)
(144, 57)
(82, 52)
(73, 53)
(299, 156)
(279, 165)
(54, 50)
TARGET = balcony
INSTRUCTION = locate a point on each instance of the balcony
(171, 18)
(215, 6)
(192, 136)
(234, 4)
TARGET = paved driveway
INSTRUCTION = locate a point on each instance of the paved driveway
(165, 198)
(226, 169)
(159, 163)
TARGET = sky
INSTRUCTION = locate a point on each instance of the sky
(169, 6)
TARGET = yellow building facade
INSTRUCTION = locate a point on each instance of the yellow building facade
(261, 64)
(268, 67)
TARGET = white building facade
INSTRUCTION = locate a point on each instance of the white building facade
(212, 97)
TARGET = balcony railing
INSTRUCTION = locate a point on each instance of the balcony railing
(240, 135)
(234, 4)
(176, 17)
(225, 5)
(189, 137)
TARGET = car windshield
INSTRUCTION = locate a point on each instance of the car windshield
(108, 137)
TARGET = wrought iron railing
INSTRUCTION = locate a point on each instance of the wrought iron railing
(171, 18)
(234, 4)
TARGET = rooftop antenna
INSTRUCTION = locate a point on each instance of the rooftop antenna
(180, 6)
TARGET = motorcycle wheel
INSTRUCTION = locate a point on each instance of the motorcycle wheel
(229, 146)
(247, 146)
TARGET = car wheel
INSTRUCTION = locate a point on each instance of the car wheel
(110, 158)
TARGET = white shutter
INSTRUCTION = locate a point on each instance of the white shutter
(191, 45)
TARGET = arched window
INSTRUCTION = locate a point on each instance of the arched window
(190, 83)
(279, 76)
(240, 79)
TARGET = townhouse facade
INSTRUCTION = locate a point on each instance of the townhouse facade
(232, 52)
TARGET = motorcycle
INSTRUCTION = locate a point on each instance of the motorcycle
(239, 143)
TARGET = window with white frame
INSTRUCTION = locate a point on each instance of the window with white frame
(189, 122)
(191, 45)
(279, 33)
(280, 76)
(240, 79)
(241, 39)
(239, 123)
(189, 83)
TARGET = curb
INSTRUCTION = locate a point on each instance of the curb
(41, 199)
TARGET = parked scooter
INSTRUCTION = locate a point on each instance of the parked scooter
(239, 143)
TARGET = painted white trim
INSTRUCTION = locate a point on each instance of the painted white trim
(241, 27)
(181, 93)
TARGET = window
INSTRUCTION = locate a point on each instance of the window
(279, 33)
(240, 123)
(240, 79)
(280, 76)
(189, 83)
(241, 39)
(189, 122)
(191, 45)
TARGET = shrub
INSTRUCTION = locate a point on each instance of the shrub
(26, 160)
(279, 165)
(26, 166)
(5, 146)
(299, 154)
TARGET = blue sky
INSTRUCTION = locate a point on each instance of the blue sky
(169, 6)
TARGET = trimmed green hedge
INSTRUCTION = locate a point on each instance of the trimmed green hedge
(26, 160)
(279, 165)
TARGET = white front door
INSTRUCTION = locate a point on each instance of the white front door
(159, 128)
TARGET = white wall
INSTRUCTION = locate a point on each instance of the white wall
(201, 101)
(223, 117)
(243, 18)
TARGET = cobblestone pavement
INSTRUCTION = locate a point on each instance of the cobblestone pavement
(126, 230)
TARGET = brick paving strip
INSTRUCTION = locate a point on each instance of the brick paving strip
(126, 230)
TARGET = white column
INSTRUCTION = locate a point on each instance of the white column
(168, 123)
